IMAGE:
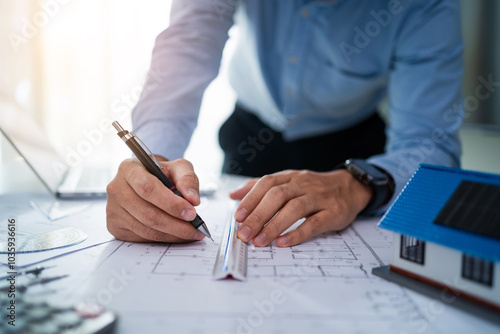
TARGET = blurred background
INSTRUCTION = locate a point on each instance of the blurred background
(76, 65)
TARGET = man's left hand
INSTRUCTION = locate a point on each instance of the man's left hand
(329, 201)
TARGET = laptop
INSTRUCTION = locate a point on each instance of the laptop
(65, 181)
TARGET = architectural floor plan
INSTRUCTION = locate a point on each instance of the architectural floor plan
(324, 285)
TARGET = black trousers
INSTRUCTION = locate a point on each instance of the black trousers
(253, 149)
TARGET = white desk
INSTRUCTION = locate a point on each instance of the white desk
(322, 286)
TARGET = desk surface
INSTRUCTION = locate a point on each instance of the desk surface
(324, 285)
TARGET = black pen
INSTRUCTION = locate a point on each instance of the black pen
(154, 167)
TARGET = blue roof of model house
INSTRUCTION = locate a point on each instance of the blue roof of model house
(449, 206)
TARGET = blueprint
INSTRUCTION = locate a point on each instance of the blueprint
(324, 285)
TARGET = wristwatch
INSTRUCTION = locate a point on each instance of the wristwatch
(379, 180)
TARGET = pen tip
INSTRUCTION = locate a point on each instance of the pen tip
(203, 229)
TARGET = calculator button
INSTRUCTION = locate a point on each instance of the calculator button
(35, 316)
(61, 306)
(46, 327)
(67, 319)
(38, 314)
(34, 302)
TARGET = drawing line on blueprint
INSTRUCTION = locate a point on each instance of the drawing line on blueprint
(341, 255)
(368, 246)
(331, 267)
(331, 255)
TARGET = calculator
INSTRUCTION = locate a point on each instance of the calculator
(35, 315)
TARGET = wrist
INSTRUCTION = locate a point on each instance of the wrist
(361, 194)
(380, 182)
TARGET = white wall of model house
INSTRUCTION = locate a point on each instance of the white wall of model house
(444, 265)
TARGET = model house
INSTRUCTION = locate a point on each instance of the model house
(446, 225)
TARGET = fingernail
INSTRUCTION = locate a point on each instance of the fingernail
(199, 236)
(193, 193)
(188, 215)
(283, 241)
(244, 233)
(260, 240)
(240, 215)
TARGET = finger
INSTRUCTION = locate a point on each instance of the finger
(149, 188)
(130, 236)
(146, 232)
(272, 202)
(126, 235)
(293, 210)
(183, 176)
(149, 220)
(240, 192)
(255, 195)
(142, 233)
(123, 197)
(312, 226)
(115, 221)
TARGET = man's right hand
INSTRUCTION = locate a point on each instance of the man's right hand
(140, 208)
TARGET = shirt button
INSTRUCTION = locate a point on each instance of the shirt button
(293, 59)
(305, 13)
(289, 93)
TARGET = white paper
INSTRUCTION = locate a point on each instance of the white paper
(324, 285)
(30, 221)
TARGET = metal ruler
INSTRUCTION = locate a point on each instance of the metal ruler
(231, 260)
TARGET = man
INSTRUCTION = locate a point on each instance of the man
(308, 76)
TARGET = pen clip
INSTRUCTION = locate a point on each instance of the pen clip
(148, 151)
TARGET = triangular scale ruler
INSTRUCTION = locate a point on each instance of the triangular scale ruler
(231, 260)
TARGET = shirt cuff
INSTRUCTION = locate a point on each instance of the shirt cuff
(164, 139)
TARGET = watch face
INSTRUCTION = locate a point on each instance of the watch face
(358, 173)
(365, 172)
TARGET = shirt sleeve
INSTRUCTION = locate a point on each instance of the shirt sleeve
(186, 58)
(426, 105)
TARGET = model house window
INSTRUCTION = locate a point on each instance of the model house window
(412, 249)
(477, 269)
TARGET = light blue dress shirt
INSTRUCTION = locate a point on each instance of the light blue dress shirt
(307, 68)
